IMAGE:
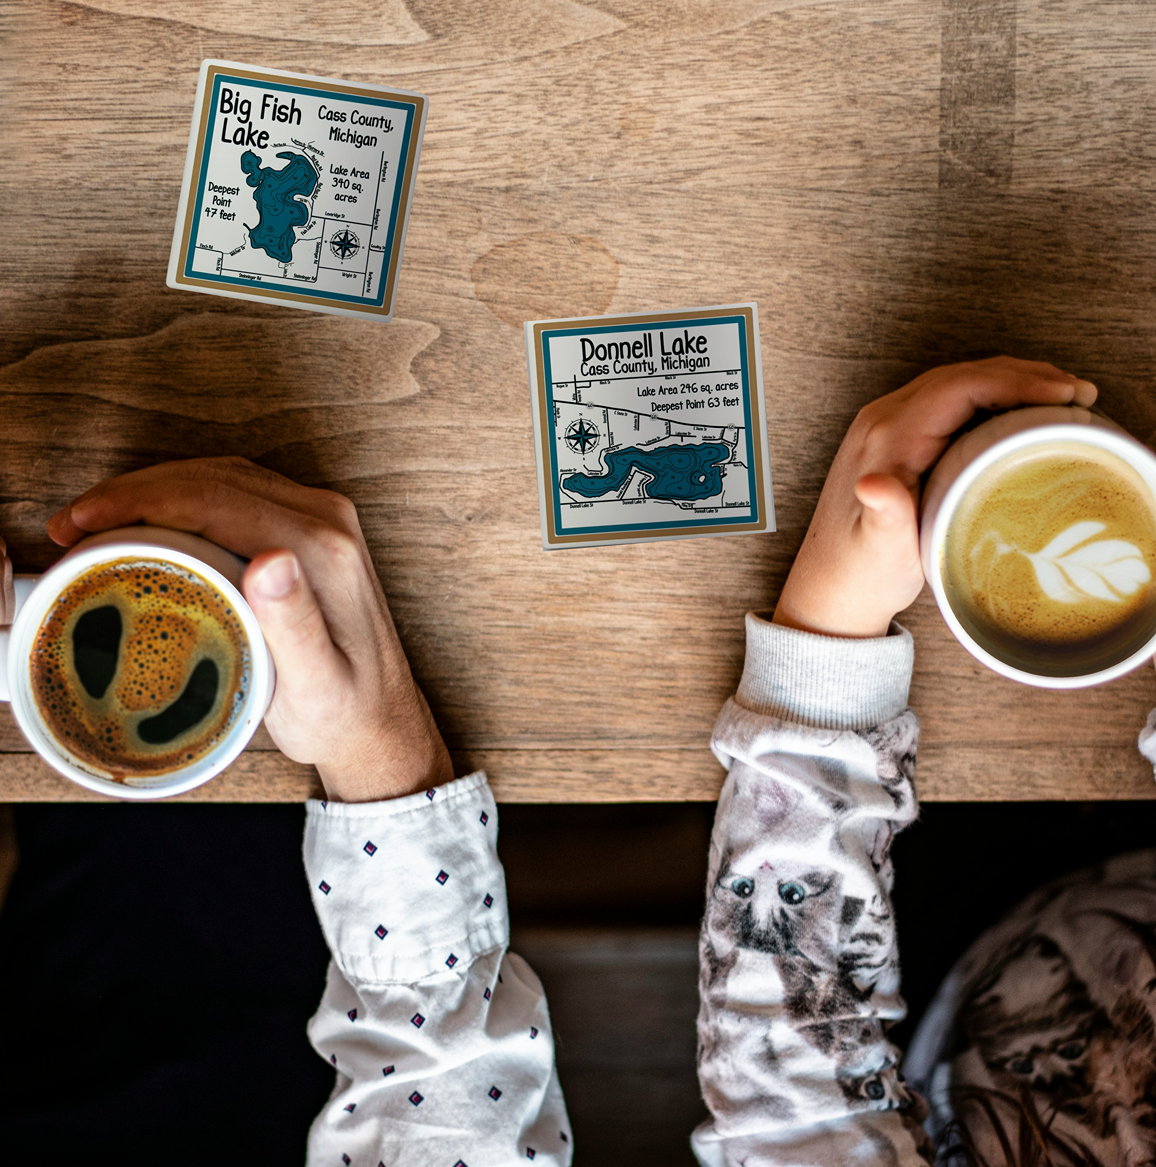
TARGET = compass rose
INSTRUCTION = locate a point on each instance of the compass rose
(582, 435)
(346, 245)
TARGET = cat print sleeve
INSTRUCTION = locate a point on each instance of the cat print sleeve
(799, 975)
(440, 1038)
(1147, 742)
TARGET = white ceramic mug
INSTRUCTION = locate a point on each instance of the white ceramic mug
(35, 597)
(962, 465)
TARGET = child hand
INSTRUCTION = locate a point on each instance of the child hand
(859, 563)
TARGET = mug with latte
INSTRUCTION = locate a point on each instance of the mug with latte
(134, 666)
(1038, 537)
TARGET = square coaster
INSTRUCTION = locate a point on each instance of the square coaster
(297, 190)
(650, 426)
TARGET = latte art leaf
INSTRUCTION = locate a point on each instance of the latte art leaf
(1072, 537)
(1050, 559)
(1074, 567)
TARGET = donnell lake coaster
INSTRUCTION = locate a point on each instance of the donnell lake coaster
(650, 426)
(297, 190)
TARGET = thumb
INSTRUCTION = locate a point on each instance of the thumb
(291, 620)
(887, 505)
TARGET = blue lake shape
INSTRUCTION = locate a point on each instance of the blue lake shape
(275, 193)
(683, 473)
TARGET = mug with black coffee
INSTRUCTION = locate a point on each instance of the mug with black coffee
(135, 667)
(1039, 541)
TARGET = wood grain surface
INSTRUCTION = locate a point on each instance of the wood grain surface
(897, 183)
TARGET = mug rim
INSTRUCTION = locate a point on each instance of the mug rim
(33, 611)
(1122, 444)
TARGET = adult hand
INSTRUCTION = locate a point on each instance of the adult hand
(345, 698)
(7, 592)
(859, 563)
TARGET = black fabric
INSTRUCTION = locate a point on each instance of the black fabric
(964, 865)
(158, 965)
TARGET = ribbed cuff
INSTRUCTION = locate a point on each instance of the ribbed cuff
(829, 682)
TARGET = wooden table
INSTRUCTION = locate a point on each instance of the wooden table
(896, 183)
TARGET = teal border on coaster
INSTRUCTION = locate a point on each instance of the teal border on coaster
(675, 525)
(255, 286)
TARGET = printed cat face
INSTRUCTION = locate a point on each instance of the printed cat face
(785, 908)
(1032, 1021)
(1034, 1025)
(783, 925)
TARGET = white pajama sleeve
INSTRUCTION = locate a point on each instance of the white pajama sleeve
(799, 972)
(1147, 742)
(440, 1038)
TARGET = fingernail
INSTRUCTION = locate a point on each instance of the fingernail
(60, 515)
(278, 577)
(1086, 385)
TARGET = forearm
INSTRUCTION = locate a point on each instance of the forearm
(800, 972)
(440, 1038)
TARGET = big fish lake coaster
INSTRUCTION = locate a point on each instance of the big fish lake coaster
(297, 190)
(650, 426)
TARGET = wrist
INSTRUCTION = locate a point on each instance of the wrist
(406, 755)
(387, 772)
(847, 620)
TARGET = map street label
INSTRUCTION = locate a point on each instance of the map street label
(297, 190)
(649, 426)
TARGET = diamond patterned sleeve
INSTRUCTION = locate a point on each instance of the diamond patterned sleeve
(799, 970)
(440, 1038)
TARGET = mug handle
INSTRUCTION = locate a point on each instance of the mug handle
(23, 585)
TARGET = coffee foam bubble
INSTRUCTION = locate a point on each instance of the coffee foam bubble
(1051, 556)
(173, 620)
